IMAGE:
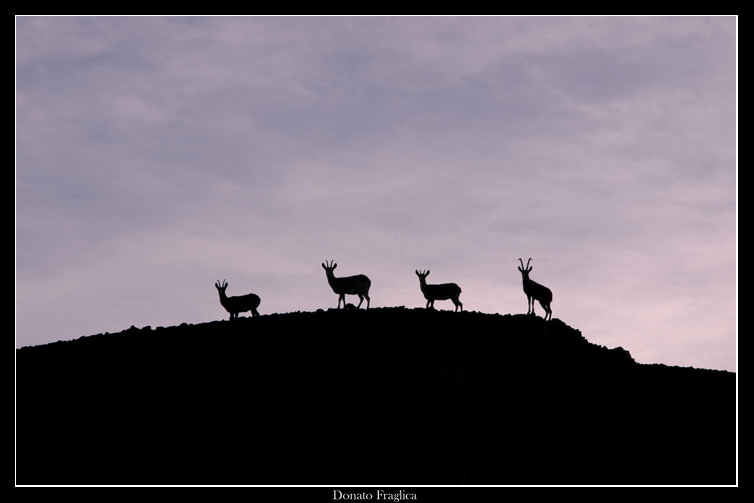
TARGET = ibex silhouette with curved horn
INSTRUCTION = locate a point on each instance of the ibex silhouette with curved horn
(351, 285)
(240, 304)
(439, 292)
(535, 291)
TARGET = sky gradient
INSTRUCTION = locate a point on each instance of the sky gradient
(157, 155)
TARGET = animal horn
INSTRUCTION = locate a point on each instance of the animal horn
(527, 263)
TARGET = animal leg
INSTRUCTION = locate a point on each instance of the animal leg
(548, 311)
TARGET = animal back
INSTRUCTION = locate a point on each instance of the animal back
(351, 285)
(534, 289)
(441, 292)
(241, 303)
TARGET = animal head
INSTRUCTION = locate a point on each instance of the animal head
(525, 270)
(221, 288)
(422, 275)
(329, 268)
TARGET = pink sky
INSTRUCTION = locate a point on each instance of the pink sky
(156, 155)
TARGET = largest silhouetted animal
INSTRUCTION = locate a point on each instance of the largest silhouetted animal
(352, 285)
(535, 291)
(240, 304)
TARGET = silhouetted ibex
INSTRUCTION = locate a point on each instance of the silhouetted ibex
(240, 304)
(351, 285)
(535, 291)
(439, 292)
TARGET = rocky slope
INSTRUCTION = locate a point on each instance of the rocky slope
(388, 396)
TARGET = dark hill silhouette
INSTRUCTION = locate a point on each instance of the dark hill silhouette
(381, 396)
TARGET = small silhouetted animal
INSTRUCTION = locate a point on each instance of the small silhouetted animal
(535, 291)
(240, 304)
(444, 291)
(351, 285)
